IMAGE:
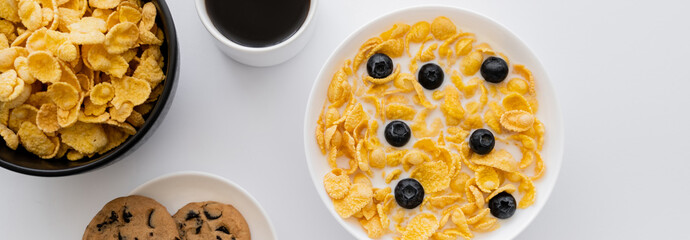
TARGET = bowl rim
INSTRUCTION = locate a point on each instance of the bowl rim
(211, 28)
(557, 139)
(159, 109)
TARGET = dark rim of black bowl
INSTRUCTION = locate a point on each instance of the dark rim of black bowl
(62, 166)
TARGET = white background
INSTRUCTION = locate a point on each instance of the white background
(620, 71)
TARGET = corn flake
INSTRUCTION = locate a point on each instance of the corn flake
(362, 157)
(34, 140)
(392, 48)
(336, 183)
(358, 196)
(452, 108)
(509, 188)
(87, 138)
(121, 37)
(458, 218)
(93, 118)
(11, 139)
(353, 119)
(116, 136)
(101, 60)
(88, 30)
(487, 224)
(148, 37)
(30, 13)
(393, 175)
(428, 53)
(444, 200)
(539, 167)
(400, 111)
(442, 28)
(517, 120)
(487, 179)
(500, 159)
(469, 65)
(64, 95)
(68, 117)
(419, 31)
(477, 196)
(104, 4)
(372, 226)
(148, 16)
(20, 114)
(518, 85)
(516, 101)
(10, 86)
(130, 89)
(46, 118)
(433, 176)
(463, 46)
(123, 112)
(44, 67)
(129, 14)
(420, 227)
(377, 158)
(8, 11)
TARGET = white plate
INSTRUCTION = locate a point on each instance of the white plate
(500, 38)
(177, 189)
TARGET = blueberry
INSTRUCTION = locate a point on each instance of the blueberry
(397, 133)
(494, 69)
(502, 205)
(379, 66)
(409, 193)
(482, 141)
(430, 76)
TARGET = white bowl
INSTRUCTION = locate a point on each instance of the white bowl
(549, 112)
(261, 56)
(177, 189)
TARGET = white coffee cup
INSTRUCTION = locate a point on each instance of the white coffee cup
(261, 56)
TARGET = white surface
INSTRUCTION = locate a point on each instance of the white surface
(619, 69)
(486, 30)
(177, 189)
(263, 56)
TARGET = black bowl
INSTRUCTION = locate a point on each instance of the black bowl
(25, 162)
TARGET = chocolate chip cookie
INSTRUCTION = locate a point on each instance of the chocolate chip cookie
(211, 221)
(130, 218)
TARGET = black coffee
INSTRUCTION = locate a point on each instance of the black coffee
(257, 23)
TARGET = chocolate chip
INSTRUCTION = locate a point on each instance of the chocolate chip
(223, 229)
(198, 230)
(110, 220)
(119, 236)
(199, 222)
(126, 215)
(150, 223)
(113, 217)
(151, 234)
(218, 238)
(191, 214)
(100, 225)
(211, 216)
